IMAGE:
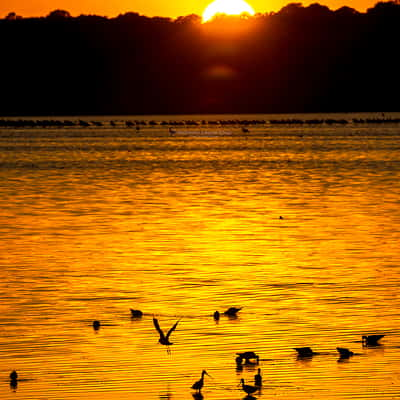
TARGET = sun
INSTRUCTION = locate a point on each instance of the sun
(228, 7)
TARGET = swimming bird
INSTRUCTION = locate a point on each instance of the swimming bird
(164, 339)
(371, 340)
(172, 131)
(232, 311)
(13, 376)
(249, 389)
(216, 315)
(199, 384)
(136, 313)
(245, 130)
(247, 356)
(258, 378)
(344, 353)
(305, 351)
(96, 325)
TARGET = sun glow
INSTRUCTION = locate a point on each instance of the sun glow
(228, 7)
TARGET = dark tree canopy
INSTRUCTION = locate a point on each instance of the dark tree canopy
(299, 59)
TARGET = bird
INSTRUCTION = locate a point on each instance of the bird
(249, 389)
(199, 384)
(232, 311)
(96, 325)
(164, 339)
(245, 130)
(371, 340)
(172, 131)
(216, 315)
(13, 376)
(136, 313)
(258, 378)
(305, 351)
(247, 356)
(344, 353)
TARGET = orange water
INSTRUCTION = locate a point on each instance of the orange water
(94, 222)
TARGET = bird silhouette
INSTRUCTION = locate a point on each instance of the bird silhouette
(371, 340)
(96, 325)
(305, 351)
(247, 356)
(232, 311)
(249, 389)
(136, 313)
(216, 315)
(164, 339)
(258, 378)
(199, 384)
(344, 353)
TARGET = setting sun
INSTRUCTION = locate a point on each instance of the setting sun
(228, 7)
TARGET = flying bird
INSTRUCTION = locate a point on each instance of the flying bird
(164, 339)
(199, 384)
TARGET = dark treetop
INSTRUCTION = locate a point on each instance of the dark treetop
(300, 59)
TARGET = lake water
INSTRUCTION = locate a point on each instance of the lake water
(297, 224)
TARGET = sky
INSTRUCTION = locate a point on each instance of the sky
(151, 8)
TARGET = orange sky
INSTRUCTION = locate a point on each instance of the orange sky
(165, 8)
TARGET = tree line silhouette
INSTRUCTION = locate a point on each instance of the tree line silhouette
(300, 59)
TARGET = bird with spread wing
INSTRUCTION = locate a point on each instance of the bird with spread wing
(164, 339)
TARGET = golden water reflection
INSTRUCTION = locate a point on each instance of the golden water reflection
(92, 226)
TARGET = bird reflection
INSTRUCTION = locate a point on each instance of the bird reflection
(198, 396)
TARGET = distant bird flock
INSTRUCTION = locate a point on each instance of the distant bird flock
(171, 125)
(242, 358)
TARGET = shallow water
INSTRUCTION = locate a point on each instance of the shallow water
(94, 221)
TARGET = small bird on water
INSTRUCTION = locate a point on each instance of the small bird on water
(305, 352)
(344, 353)
(247, 356)
(232, 311)
(249, 389)
(371, 340)
(216, 315)
(198, 385)
(96, 325)
(136, 313)
(164, 339)
(13, 376)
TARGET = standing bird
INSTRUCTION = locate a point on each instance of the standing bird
(248, 388)
(371, 340)
(164, 339)
(216, 315)
(258, 378)
(232, 311)
(199, 384)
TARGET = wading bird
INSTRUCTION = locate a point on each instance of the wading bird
(249, 389)
(199, 384)
(258, 378)
(371, 340)
(232, 311)
(164, 339)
